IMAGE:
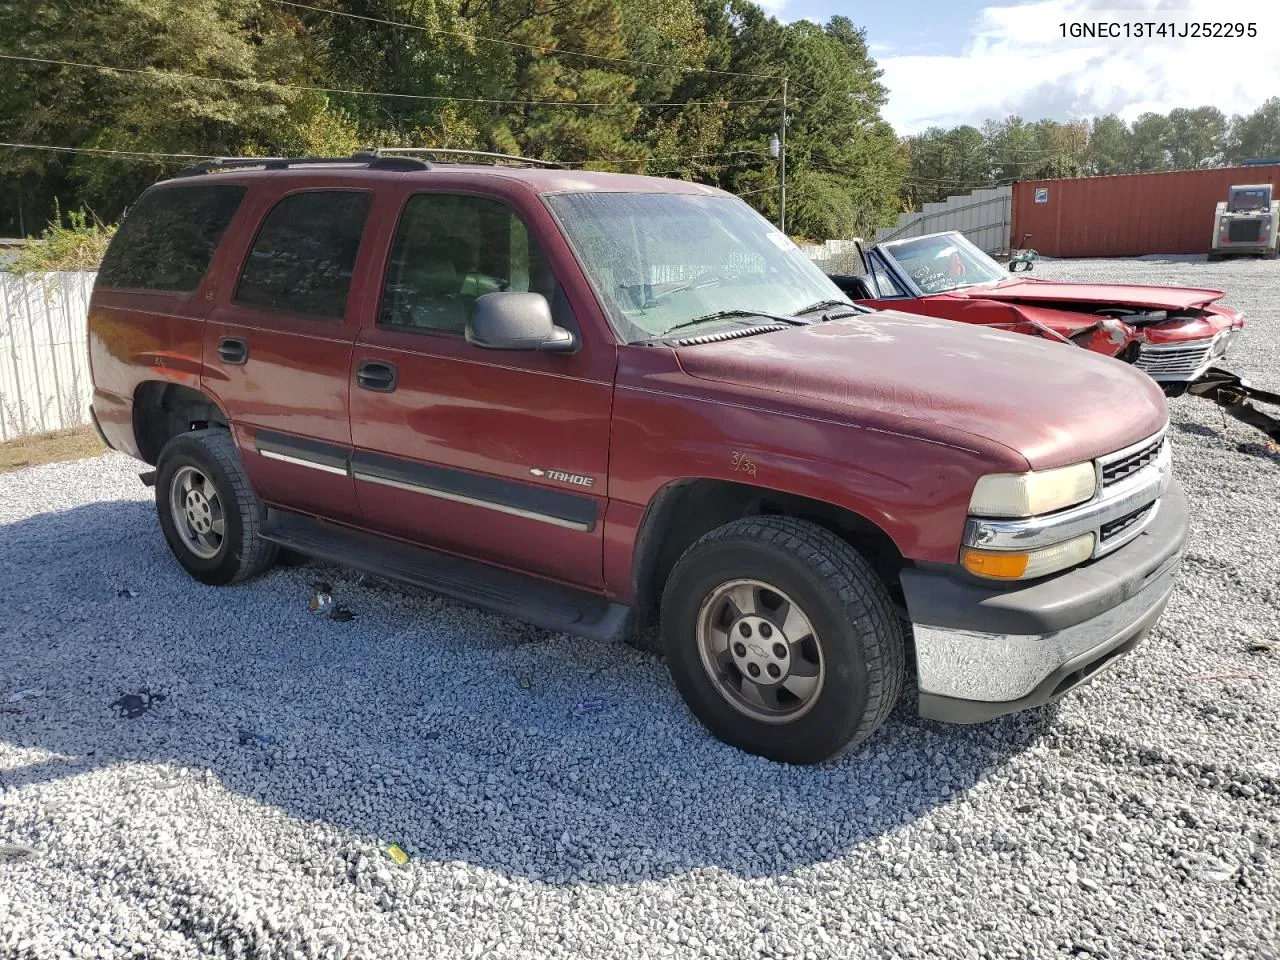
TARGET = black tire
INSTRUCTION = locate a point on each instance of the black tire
(242, 552)
(861, 637)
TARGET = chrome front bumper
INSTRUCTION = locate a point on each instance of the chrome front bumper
(983, 651)
(1182, 362)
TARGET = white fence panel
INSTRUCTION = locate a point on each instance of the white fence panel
(44, 365)
(984, 216)
(834, 256)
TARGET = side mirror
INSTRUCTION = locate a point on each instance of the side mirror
(517, 321)
(1023, 265)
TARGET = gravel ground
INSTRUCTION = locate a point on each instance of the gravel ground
(248, 812)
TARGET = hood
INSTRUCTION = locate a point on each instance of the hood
(938, 380)
(1105, 294)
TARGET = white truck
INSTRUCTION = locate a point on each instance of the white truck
(1247, 223)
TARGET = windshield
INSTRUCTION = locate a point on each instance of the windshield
(945, 262)
(1255, 198)
(659, 260)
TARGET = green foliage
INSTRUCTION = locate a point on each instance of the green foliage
(944, 162)
(235, 55)
(1257, 136)
(1108, 150)
(76, 245)
(221, 77)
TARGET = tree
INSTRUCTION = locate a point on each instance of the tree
(612, 84)
(1013, 148)
(944, 162)
(1197, 137)
(235, 41)
(1149, 140)
(1109, 148)
(1060, 150)
(1256, 136)
(843, 162)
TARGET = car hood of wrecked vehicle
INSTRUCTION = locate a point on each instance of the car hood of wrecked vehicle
(1048, 292)
(940, 380)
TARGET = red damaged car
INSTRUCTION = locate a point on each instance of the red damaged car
(1174, 334)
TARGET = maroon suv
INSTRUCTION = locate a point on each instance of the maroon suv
(604, 404)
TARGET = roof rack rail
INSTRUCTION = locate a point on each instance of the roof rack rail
(369, 158)
(375, 158)
(451, 152)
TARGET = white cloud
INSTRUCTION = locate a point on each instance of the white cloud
(1016, 60)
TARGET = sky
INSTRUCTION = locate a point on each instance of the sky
(948, 62)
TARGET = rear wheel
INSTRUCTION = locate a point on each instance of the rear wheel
(209, 513)
(782, 639)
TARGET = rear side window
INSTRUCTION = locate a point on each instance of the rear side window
(304, 255)
(168, 238)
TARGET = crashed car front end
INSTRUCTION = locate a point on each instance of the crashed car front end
(1182, 351)
(1173, 351)
(1178, 336)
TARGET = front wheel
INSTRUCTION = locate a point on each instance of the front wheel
(782, 639)
(209, 513)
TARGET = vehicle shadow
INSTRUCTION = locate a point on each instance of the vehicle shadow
(1197, 429)
(447, 730)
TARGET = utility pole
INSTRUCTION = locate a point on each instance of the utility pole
(782, 164)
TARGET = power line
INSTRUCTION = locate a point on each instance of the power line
(375, 93)
(645, 160)
(951, 135)
(972, 183)
(128, 154)
(525, 46)
(146, 155)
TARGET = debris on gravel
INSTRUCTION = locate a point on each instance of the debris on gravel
(385, 787)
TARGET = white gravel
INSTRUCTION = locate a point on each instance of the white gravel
(1139, 818)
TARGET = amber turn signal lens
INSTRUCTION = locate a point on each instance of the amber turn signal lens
(1011, 565)
(996, 565)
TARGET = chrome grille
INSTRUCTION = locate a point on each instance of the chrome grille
(1109, 531)
(1113, 471)
(1180, 361)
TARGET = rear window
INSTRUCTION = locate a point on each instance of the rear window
(168, 238)
(305, 253)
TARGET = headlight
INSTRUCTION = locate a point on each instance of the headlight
(1028, 494)
(1027, 565)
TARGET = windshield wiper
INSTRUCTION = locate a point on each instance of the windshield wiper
(828, 304)
(729, 314)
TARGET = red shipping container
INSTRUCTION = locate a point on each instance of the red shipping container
(1128, 215)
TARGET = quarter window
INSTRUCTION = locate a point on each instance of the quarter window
(883, 281)
(305, 253)
(168, 239)
(450, 250)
